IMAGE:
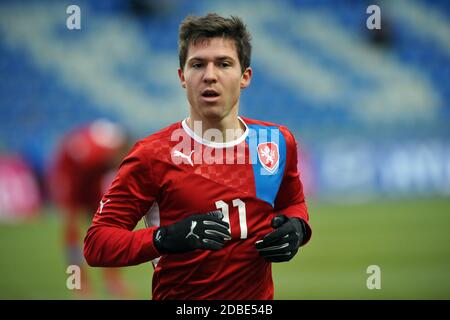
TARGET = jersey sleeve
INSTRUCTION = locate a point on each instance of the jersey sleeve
(290, 199)
(110, 240)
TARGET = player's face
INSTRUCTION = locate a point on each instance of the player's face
(213, 79)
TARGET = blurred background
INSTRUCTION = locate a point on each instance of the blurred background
(370, 110)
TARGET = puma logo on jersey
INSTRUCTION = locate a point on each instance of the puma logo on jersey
(194, 223)
(177, 153)
(102, 204)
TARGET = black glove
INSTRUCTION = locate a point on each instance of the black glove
(282, 244)
(202, 231)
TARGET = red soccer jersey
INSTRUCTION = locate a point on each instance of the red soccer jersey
(173, 174)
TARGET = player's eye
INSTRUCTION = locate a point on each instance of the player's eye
(197, 65)
(225, 64)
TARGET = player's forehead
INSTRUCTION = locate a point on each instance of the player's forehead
(212, 48)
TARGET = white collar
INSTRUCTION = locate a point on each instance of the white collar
(212, 144)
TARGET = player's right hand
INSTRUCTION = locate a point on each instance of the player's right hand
(202, 231)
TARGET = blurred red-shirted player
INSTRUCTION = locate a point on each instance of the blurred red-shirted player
(84, 165)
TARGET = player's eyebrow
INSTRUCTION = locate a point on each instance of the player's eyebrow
(202, 59)
(224, 58)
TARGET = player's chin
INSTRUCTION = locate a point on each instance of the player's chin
(212, 112)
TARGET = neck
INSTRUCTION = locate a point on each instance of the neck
(230, 128)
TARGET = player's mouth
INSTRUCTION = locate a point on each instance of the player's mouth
(210, 95)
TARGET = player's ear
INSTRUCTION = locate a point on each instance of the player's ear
(181, 76)
(246, 78)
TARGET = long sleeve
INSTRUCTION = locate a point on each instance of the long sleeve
(290, 199)
(110, 240)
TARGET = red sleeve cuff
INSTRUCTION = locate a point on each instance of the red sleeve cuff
(150, 252)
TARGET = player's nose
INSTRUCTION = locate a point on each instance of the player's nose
(210, 75)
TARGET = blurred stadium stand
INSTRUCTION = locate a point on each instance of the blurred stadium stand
(371, 111)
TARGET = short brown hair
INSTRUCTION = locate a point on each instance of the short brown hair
(212, 25)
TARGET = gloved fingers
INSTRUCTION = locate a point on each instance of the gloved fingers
(277, 234)
(274, 248)
(212, 218)
(210, 244)
(281, 257)
(220, 226)
(261, 244)
(216, 213)
(276, 254)
(214, 236)
(222, 235)
(207, 218)
(284, 247)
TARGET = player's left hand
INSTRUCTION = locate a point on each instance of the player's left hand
(283, 243)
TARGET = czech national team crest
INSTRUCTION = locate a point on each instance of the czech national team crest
(269, 156)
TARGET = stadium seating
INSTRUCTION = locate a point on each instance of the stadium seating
(316, 70)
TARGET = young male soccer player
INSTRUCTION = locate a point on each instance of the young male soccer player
(221, 194)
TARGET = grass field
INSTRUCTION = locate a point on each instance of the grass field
(408, 240)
